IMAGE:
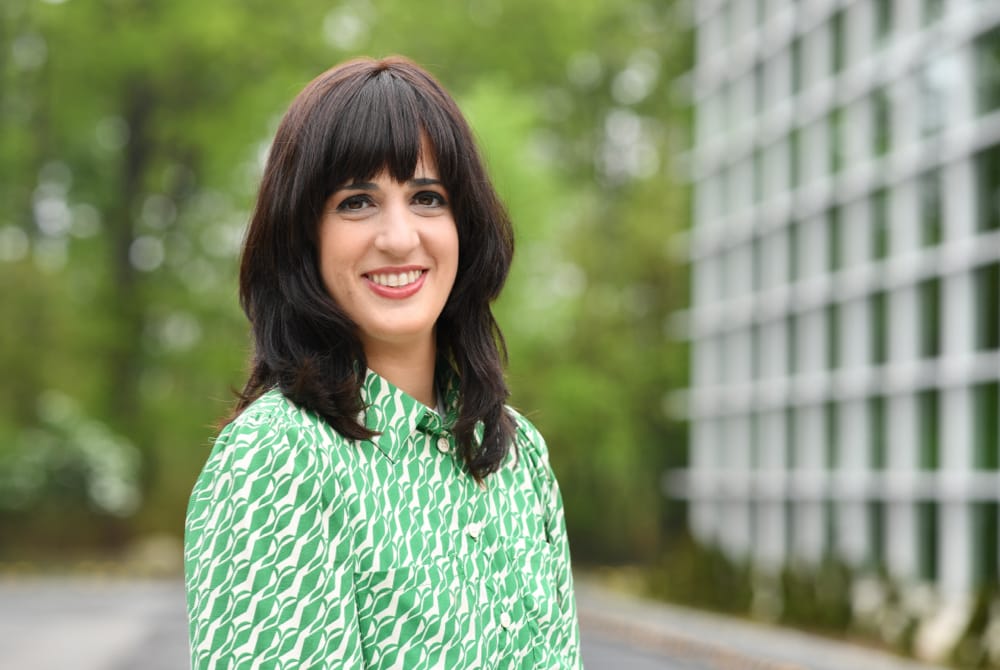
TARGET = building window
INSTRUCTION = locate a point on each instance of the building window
(776, 175)
(836, 138)
(880, 327)
(877, 432)
(755, 351)
(794, 158)
(795, 52)
(933, 10)
(756, 443)
(759, 89)
(733, 109)
(728, 22)
(830, 418)
(876, 534)
(987, 298)
(881, 123)
(761, 13)
(984, 539)
(833, 358)
(830, 526)
(837, 48)
(883, 21)
(987, 73)
(794, 257)
(758, 175)
(835, 240)
(987, 164)
(929, 326)
(930, 209)
(934, 81)
(757, 259)
(927, 521)
(986, 424)
(792, 460)
(725, 191)
(880, 224)
(792, 344)
(927, 408)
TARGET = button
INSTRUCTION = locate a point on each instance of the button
(473, 529)
(443, 445)
(505, 620)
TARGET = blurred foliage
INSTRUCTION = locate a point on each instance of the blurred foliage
(131, 140)
(833, 599)
(702, 576)
(979, 645)
(828, 599)
(817, 597)
(73, 454)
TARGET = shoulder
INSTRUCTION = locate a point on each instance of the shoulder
(276, 430)
(531, 446)
(526, 433)
(273, 412)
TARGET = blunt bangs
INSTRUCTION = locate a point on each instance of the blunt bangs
(380, 126)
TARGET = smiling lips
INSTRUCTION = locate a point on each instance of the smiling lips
(396, 284)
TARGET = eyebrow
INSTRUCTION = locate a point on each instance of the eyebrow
(424, 181)
(371, 186)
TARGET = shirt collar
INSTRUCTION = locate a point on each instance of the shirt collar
(394, 414)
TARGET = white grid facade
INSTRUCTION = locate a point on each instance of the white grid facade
(845, 254)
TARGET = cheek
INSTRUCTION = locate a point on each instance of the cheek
(338, 282)
(337, 249)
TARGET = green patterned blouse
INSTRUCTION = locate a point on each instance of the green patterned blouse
(304, 549)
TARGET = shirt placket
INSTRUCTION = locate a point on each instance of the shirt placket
(487, 566)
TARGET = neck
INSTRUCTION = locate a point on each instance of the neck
(409, 368)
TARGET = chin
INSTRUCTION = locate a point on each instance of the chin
(400, 336)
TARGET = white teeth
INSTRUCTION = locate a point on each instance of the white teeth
(396, 280)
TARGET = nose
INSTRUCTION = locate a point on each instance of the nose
(397, 235)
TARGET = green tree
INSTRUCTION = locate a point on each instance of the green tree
(131, 136)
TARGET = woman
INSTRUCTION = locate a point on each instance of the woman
(374, 503)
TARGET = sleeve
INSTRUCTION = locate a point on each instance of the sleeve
(566, 636)
(266, 556)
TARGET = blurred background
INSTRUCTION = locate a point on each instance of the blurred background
(755, 306)
(133, 137)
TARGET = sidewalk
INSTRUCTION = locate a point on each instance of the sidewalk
(715, 641)
(129, 624)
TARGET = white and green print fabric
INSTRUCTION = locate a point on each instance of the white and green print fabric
(304, 549)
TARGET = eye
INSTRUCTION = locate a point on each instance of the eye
(429, 199)
(354, 203)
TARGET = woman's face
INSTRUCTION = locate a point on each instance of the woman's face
(388, 255)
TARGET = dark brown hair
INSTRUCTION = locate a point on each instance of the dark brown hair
(352, 123)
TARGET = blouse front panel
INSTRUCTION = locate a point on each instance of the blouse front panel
(307, 550)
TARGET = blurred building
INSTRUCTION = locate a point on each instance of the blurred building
(845, 318)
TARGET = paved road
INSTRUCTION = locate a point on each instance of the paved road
(119, 624)
(58, 624)
(114, 624)
(684, 639)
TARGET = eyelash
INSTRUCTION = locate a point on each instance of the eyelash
(438, 199)
(348, 203)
